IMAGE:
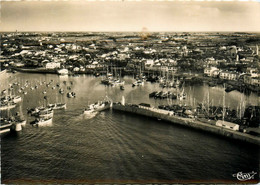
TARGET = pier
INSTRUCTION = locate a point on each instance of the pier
(189, 122)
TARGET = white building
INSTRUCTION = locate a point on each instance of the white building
(211, 71)
(228, 75)
(52, 65)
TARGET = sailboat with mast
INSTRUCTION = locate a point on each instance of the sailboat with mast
(182, 94)
(139, 79)
(118, 80)
(6, 102)
(11, 123)
(43, 116)
(225, 124)
(57, 106)
(98, 106)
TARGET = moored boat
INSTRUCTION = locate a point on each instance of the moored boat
(98, 107)
(71, 94)
(88, 110)
(7, 106)
(11, 125)
(17, 99)
(138, 83)
(41, 121)
(57, 106)
(63, 72)
(45, 113)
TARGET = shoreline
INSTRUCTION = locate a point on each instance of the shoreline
(188, 78)
(187, 122)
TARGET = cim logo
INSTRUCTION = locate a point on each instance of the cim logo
(244, 176)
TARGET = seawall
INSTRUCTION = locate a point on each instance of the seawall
(36, 70)
(189, 122)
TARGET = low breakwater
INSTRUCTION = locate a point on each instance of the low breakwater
(189, 122)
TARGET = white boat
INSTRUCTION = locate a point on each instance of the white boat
(57, 106)
(5, 127)
(118, 83)
(60, 106)
(97, 107)
(138, 83)
(71, 94)
(88, 111)
(42, 121)
(6, 106)
(45, 114)
(17, 99)
(63, 72)
(35, 111)
(11, 124)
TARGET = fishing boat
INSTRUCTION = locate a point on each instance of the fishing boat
(89, 110)
(63, 72)
(61, 91)
(118, 83)
(16, 99)
(45, 113)
(98, 107)
(57, 106)
(138, 83)
(3, 92)
(7, 106)
(71, 94)
(108, 80)
(41, 121)
(34, 111)
(5, 126)
(12, 124)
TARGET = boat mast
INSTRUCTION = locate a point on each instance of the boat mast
(224, 109)
(208, 101)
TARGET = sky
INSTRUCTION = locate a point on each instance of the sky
(130, 16)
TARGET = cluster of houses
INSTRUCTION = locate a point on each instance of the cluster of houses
(249, 72)
(251, 77)
(175, 52)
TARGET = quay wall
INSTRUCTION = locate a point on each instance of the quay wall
(36, 70)
(189, 122)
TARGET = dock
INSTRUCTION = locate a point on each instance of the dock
(188, 122)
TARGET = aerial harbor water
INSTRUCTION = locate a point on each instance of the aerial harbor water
(113, 146)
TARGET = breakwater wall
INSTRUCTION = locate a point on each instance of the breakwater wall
(189, 122)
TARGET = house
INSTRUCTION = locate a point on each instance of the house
(250, 80)
(252, 71)
(52, 65)
(211, 61)
(228, 125)
(211, 71)
(255, 81)
(228, 75)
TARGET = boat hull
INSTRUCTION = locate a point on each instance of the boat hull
(45, 115)
(7, 107)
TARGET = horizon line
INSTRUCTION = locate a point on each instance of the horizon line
(130, 31)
